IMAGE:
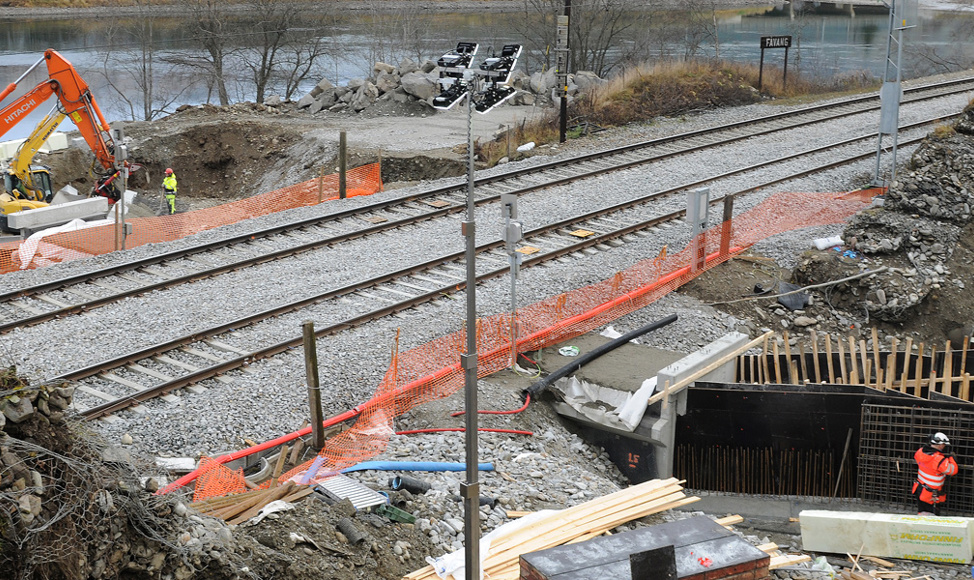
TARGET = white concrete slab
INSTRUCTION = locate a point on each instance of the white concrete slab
(58, 214)
(911, 537)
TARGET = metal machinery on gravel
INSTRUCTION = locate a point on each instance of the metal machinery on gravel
(29, 187)
(457, 75)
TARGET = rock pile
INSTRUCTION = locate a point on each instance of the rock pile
(913, 234)
(412, 83)
(73, 510)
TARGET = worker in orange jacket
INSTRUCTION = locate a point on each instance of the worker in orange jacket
(935, 463)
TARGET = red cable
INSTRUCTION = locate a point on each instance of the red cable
(527, 399)
(438, 430)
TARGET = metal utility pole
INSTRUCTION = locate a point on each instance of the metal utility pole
(459, 80)
(902, 15)
(512, 234)
(470, 490)
(562, 51)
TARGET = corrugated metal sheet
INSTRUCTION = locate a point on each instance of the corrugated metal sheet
(342, 487)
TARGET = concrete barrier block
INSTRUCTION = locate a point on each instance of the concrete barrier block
(56, 142)
(58, 214)
(930, 538)
(9, 148)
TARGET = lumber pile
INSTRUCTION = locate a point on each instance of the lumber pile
(240, 507)
(575, 524)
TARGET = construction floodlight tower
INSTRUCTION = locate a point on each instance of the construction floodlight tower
(902, 15)
(458, 79)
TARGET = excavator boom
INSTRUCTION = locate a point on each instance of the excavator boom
(74, 100)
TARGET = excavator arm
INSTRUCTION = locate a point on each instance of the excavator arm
(74, 101)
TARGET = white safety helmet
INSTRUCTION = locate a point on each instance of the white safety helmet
(939, 438)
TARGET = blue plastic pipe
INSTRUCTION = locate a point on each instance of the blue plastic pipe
(414, 466)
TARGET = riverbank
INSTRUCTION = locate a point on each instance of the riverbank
(361, 6)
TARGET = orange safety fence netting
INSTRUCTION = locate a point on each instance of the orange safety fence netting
(432, 371)
(95, 238)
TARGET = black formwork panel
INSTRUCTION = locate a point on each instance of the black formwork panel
(770, 439)
(891, 433)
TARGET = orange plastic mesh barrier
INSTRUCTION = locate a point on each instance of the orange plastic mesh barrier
(432, 371)
(42, 250)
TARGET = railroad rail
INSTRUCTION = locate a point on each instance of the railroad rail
(120, 383)
(43, 302)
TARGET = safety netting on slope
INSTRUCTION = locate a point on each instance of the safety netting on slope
(432, 370)
(80, 239)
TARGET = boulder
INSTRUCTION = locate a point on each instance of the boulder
(586, 80)
(306, 101)
(536, 83)
(323, 85)
(400, 96)
(273, 101)
(427, 66)
(407, 66)
(355, 84)
(420, 85)
(364, 97)
(16, 409)
(386, 82)
(381, 67)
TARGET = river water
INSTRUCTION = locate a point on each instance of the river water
(829, 39)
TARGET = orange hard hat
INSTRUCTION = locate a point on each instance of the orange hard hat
(169, 171)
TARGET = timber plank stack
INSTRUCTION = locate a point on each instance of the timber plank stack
(575, 524)
(240, 507)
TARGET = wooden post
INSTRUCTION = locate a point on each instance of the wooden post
(764, 361)
(818, 370)
(907, 355)
(918, 371)
(314, 391)
(933, 369)
(963, 362)
(279, 467)
(948, 380)
(842, 368)
(864, 357)
(725, 228)
(891, 362)
(321, 185)
(804, 365)
(879, 366)
(342, 165)
(965, 386)
(854, 364)
(828, 358)
(777, 363)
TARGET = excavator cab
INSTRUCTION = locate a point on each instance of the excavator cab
(37, 189)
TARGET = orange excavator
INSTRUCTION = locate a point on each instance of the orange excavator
(27, 186)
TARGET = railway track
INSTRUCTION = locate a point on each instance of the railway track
(31, 305)
(123, 382)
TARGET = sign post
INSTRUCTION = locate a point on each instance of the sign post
(774, 42)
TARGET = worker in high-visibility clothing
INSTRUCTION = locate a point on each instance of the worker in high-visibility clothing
(935, 463)
(169, 185)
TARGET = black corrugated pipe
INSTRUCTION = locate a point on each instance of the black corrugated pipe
(542, 384)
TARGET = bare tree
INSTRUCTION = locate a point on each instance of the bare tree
(214, 28)
(299, 61)
(397, 33)
(598, 29)
(270, 22)
(701, 24)
(130, 59)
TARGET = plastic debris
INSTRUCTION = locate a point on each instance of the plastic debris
(568, 351)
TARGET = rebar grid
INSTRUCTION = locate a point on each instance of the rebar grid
(889, 438)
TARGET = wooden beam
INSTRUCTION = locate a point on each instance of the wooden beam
(683, 383)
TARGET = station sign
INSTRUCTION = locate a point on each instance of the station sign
(775, 42)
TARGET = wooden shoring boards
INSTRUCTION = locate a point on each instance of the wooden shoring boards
(577, 523)
(702, 549)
